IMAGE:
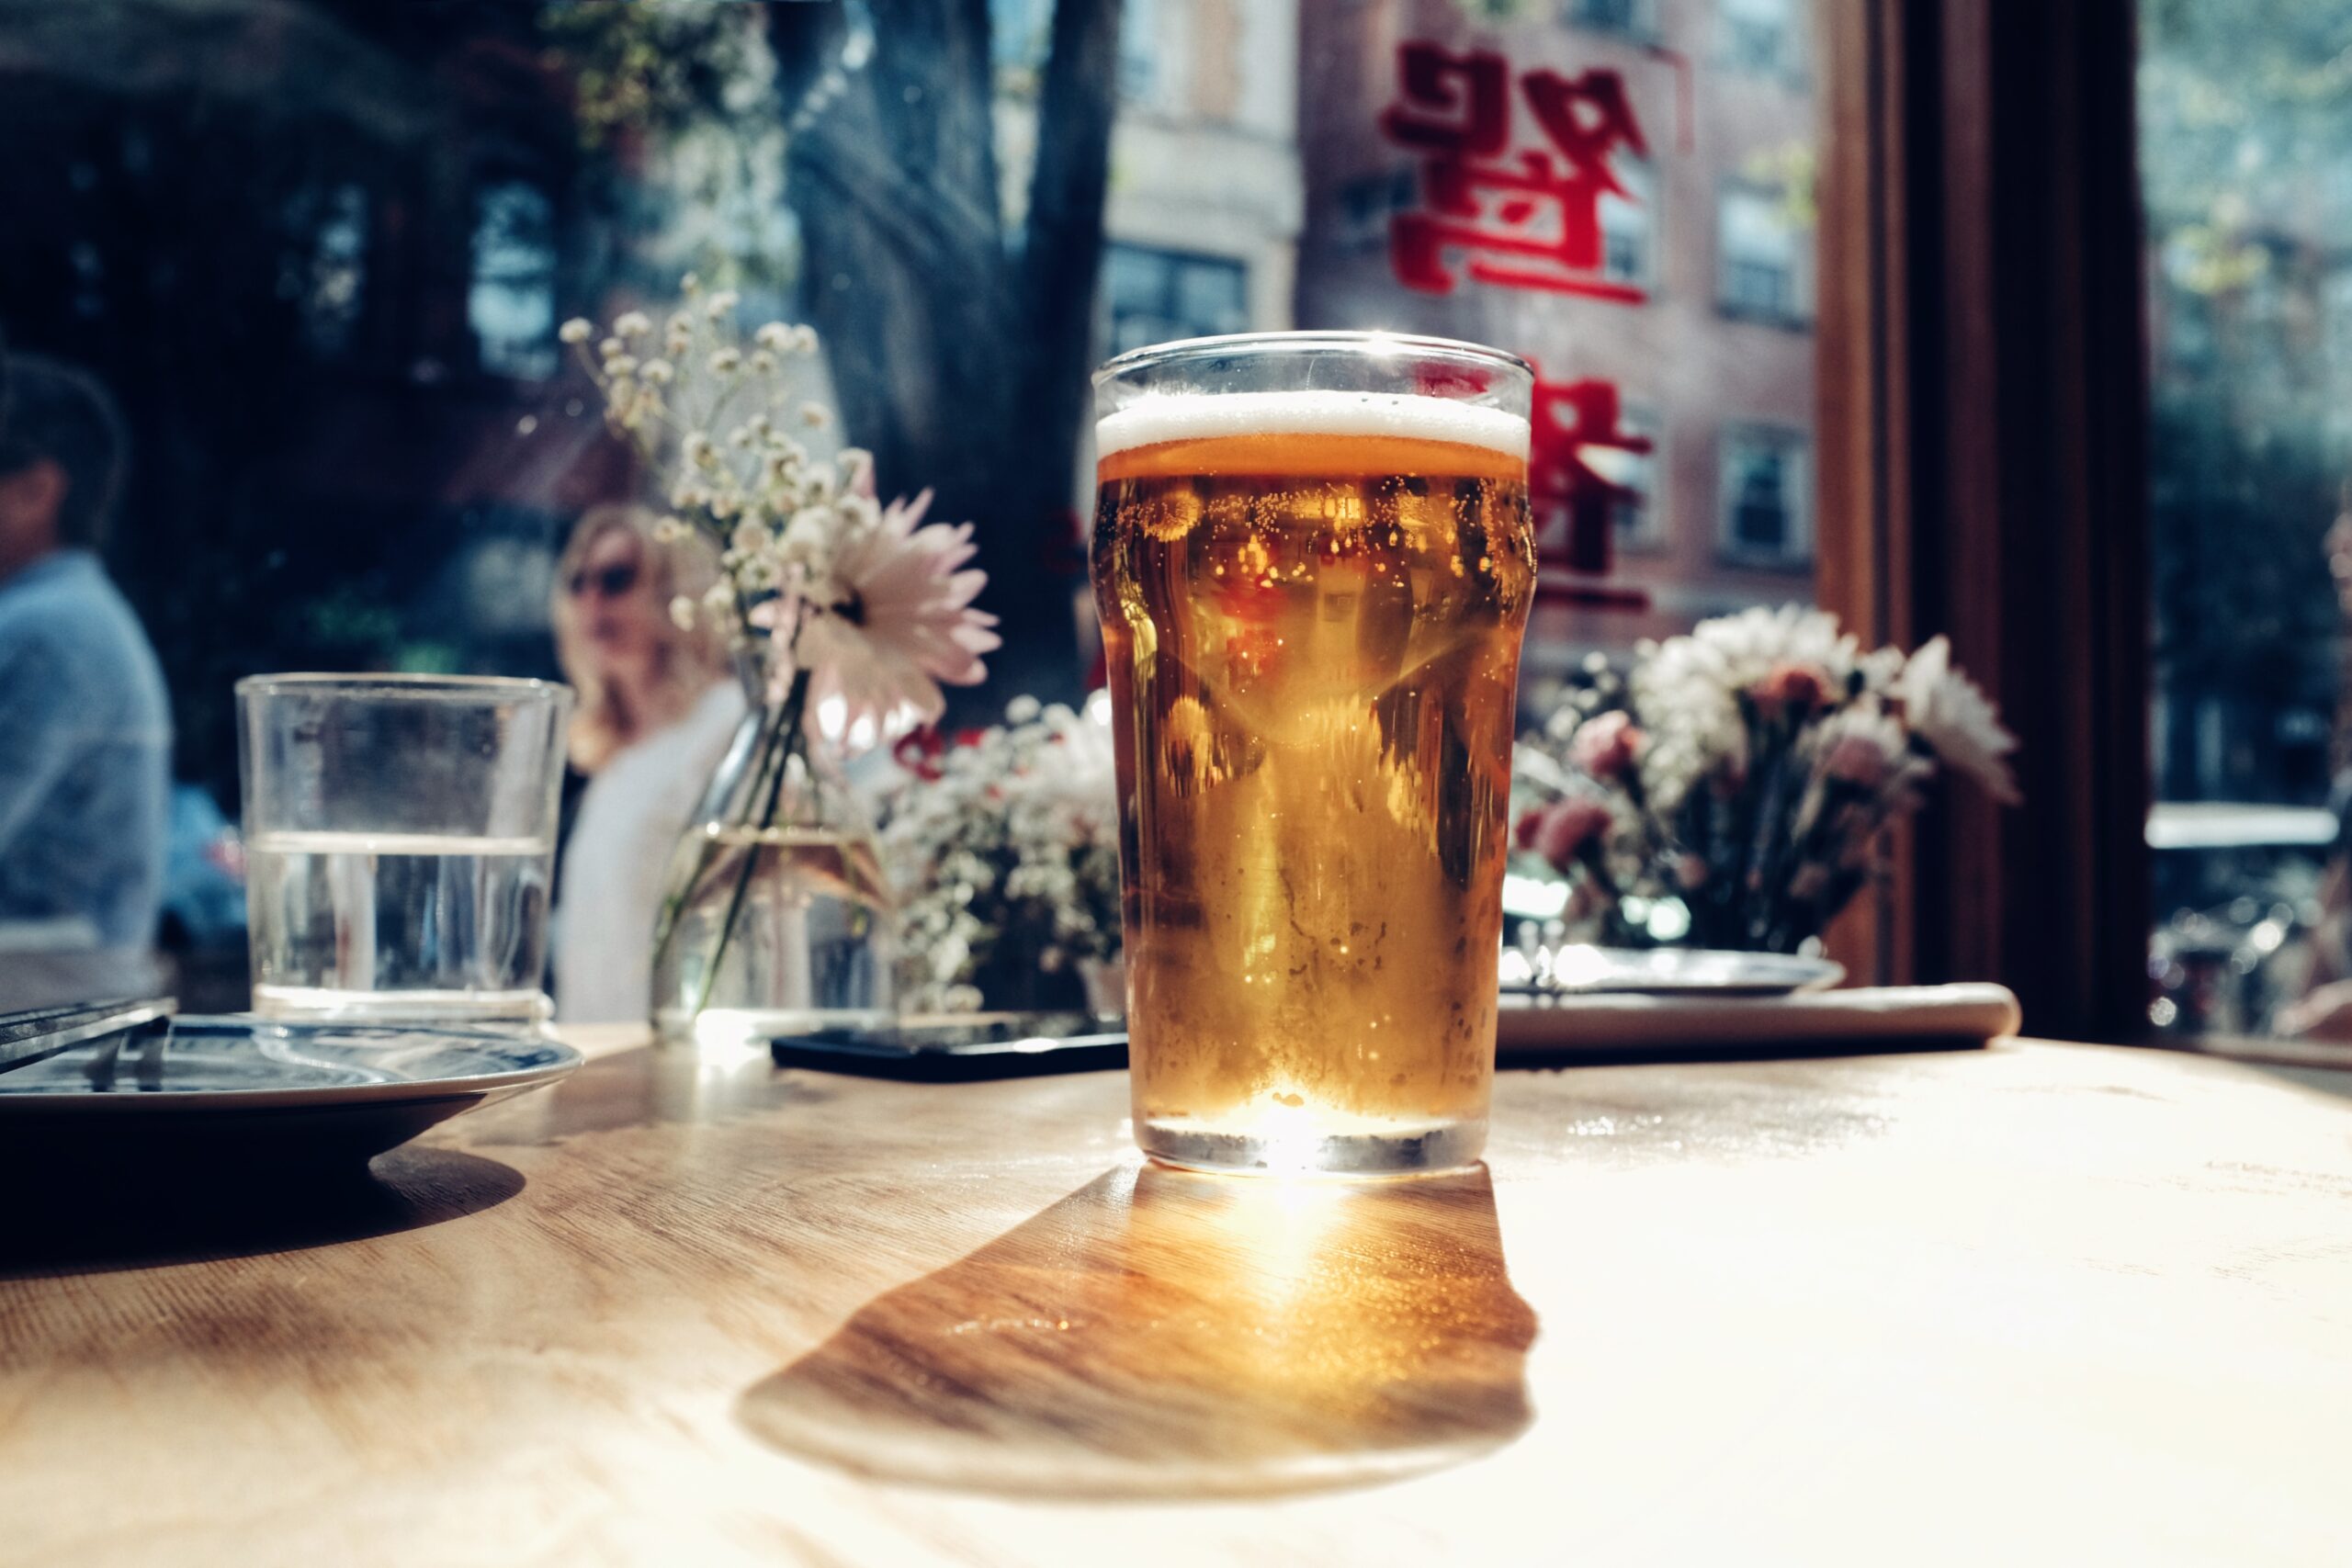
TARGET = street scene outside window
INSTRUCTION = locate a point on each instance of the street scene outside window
(321, 284)
(2242, 125)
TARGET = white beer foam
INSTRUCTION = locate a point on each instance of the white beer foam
(1195, 416)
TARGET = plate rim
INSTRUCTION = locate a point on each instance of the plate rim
(567, 1060)
(1826, 974)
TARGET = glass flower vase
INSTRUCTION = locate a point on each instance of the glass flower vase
(776, 917)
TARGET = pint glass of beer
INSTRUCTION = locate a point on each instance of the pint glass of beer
(1314, 559)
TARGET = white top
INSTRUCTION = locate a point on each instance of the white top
(1194, 416)
(614, 866)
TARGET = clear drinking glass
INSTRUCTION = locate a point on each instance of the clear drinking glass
(1314, 561)
(400, 844)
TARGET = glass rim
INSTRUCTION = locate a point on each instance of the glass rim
(1460, 351)
(405, 683)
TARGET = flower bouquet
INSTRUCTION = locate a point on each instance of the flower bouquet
(1731, 792)
(1005, 847)
(842, 611)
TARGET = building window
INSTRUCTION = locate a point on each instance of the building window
(1138, 50)
(329, 279)
(1630, 18)
(1628, 224)
(1369, 201)
(1758, 36)
(1639, 521)
(511, 305)
(1156, 296)
(1761, 271)
(1766, 496)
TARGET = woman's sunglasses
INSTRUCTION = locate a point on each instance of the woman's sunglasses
(609, 582)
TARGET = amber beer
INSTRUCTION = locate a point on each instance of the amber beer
(1311, 604)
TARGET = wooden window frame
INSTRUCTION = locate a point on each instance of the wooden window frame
(1981, 469)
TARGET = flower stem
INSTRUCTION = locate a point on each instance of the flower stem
(782, 743)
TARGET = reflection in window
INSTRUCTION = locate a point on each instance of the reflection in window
(1757, 36)
(1758, 263)
(511, 305)
(1765, 499)
(1154, 294)
(1626, 224)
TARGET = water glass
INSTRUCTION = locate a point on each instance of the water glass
(400, 842)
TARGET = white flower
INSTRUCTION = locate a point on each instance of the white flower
(671, 530)
(682, 613)
(727, 361)
(611, 346)
(631, 323)
(696, 449)
(804, 340)
(689, 285)
(620, 364)
(1958, 722)
(762, 362)
(751, 537)
(719, 597)
(722, 304)
(577, 330)
(903, 622)
(816, 416)
(809, 535)
(1688, 689)
(657, 372)
(776, 335)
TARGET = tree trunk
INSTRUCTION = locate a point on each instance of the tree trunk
(959, 360)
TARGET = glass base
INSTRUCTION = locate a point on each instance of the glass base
(322, 1004)
(1424, 1149)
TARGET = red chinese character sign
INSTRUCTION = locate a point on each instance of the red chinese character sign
(1576, 503)
(1529, 222)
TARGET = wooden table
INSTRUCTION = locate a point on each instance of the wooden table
(2038, 1303)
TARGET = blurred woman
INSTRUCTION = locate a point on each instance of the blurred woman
(657, 706)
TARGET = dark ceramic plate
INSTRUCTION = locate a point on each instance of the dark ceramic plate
(259, 1089)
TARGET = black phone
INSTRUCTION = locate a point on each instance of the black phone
(981, 1045)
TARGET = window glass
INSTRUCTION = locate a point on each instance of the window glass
(2243, 111)
(319, 252)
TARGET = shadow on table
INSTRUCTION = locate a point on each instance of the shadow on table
(1160, 1334)
(139, 1214)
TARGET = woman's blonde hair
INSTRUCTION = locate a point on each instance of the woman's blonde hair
(686, 663)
